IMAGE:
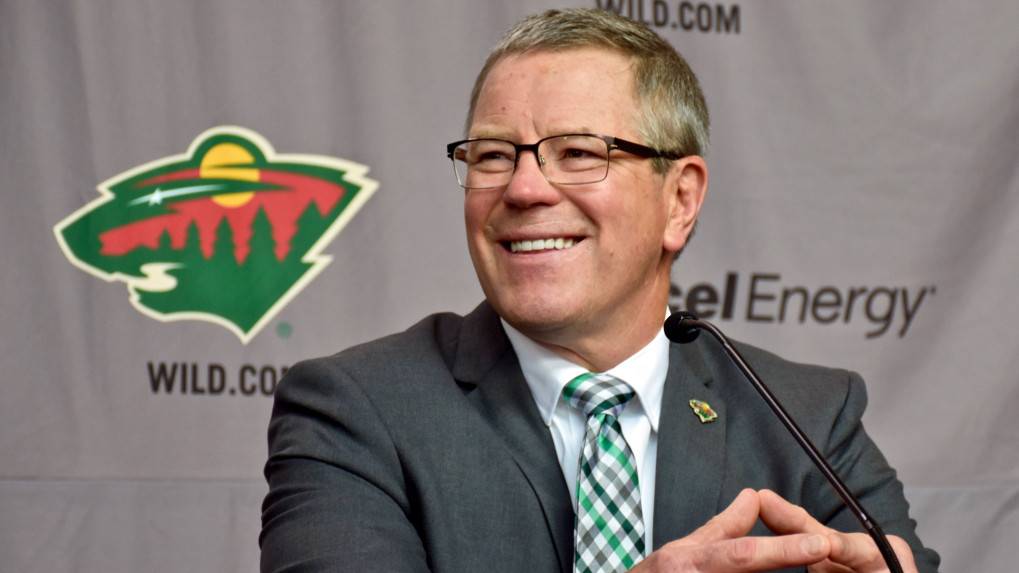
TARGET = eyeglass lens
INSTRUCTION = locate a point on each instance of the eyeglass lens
(566, 159)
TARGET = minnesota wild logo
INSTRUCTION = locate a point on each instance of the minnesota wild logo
(228, 232)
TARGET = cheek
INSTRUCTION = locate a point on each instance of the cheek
(478, 213)
(475, 213)
(641, 229)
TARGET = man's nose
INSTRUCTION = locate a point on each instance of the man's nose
(527, 186)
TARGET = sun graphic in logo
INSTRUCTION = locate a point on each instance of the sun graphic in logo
(190, 232)
(229, 161)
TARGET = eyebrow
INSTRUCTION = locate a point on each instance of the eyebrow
(506, 134)
(490, 133)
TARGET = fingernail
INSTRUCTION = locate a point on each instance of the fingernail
(813, 545)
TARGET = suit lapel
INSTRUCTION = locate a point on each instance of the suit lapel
(484, 358)
(691, 454)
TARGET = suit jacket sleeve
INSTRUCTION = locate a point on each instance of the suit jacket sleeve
(331, 464)
(860, 463)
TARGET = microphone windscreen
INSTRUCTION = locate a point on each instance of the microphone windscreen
(679, 327)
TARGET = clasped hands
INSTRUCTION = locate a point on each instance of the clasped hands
(722, 544)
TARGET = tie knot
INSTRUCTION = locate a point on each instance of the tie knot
(597, 393)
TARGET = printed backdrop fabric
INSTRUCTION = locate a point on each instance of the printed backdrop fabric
(863, 212)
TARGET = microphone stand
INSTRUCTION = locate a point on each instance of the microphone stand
(683, 327)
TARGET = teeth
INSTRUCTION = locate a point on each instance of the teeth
(558, 243)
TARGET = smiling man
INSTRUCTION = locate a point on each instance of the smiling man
(555, 428)
(599, 299)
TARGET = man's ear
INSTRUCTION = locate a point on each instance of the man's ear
(686, 184)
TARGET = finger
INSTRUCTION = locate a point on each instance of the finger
(734, 521)
(783, 517)
(859, 552)
(763, 553)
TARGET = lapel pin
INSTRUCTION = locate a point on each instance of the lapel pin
(703, 411)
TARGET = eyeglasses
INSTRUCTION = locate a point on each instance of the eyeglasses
(569, 159)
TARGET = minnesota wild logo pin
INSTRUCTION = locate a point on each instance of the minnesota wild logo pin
(703, 411)
(228, 232)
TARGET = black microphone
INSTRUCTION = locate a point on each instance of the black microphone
(683, 327)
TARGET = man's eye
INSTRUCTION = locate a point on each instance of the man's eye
(490, 160)
(576, 153)
(491, 156)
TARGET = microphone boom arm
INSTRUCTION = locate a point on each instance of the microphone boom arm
(680, 326)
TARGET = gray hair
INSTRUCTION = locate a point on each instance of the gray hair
(673, 115)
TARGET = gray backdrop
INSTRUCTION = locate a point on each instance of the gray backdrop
(863, 212)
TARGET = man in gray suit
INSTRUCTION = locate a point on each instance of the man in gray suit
(555, 428)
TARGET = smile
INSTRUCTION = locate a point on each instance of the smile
(558, 243)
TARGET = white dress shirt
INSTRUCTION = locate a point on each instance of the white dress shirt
(547, 374)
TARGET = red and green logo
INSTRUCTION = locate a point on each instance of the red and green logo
(228, 232)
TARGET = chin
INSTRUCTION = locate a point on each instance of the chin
(536, 316)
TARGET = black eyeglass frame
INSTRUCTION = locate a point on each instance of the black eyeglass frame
(612, 142)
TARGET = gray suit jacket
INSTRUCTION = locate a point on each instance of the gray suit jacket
(424, 451)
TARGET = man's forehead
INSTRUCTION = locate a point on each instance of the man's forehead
(605, 59)
(558, 89)
(609, 66)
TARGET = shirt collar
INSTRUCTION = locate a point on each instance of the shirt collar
(547, 373)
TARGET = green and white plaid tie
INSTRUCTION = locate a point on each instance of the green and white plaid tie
(609, 532)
